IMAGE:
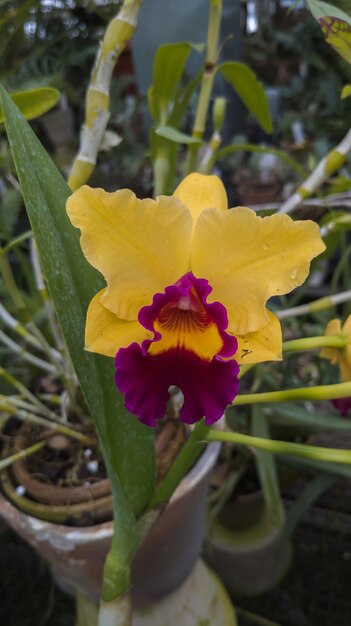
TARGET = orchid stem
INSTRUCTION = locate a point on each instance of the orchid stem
(306, 343)
(185, 459)
(118, 612)
(10, 284)
(322, 392)
(97, 106)
(21, 454)
(206, 84)
(327, 302)
(6, 406)
(311, 343)
(330, 164)
(331, 455)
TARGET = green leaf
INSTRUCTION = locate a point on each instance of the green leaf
(10, 207)
(307, 497)
(34, 102)
(172, 134)
(339, 8)
(249, 147)
(337, 34)
(127, 445)
(295, 414)
(345, 92)
(250, 91)
(267, 471)
(168, 68)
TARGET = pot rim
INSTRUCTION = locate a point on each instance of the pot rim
(68, 534)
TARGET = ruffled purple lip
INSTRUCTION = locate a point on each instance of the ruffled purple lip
(208, 386)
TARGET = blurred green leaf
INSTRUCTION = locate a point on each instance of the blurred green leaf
(337, 8)
(295, 414)
(337, 34)
(266, 469)
(172, 134)
(307, 497)
(127, 445)
(10, 206)
(34, 102)
(345, 92)
(249, 147)
(250, 91)
(169, 64)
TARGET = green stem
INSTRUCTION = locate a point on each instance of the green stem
(321, 304)
(206, 83)
(22, 454)
(311, 343)
(11, 287)
(282, 447)
(161, 172)
(323, 392)
(12, 409)
(185, 459)
(306, 343)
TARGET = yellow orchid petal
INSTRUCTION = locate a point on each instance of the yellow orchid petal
(333, 328)
(140, 246)
(199, 192)
(340, 356)
(263, 345)
(105, 333)
(247, 259)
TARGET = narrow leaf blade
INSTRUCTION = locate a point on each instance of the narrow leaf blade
(250, 91)
(34, 102)
(72, 283)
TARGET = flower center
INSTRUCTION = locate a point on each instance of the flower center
(190, 349)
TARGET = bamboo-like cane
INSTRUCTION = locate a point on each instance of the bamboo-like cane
(97, 105)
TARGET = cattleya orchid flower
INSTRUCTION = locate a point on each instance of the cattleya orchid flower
(187, 282)
(340, 357)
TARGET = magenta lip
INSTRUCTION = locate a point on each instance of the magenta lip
(207, 386)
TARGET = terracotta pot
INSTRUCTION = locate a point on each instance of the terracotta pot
(165, 559)
(249, 560)
(85, 504)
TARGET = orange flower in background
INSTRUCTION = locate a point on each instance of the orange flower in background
(187, 282)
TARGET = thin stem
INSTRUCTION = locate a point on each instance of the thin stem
(322, 392)
(321, 304)
(185, 459)
(306, 343)
(22, 389)
(7, 407)
(311, 343)
(206, 83)
(27, 356)
(330, 164)
(22, 454)
(36, 340)
(302, 450)
(10, 284)
(118, 612)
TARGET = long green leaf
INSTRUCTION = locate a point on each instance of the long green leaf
(309, 495)
(34, 102)
(127, 444)
(172, 134)
(168, 68)
(295, 414)
(250, 91)
(266, 469)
